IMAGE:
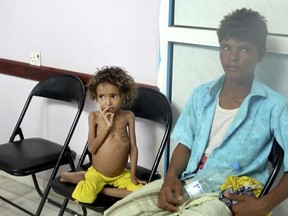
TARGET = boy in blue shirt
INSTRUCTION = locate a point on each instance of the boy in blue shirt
(234, 118)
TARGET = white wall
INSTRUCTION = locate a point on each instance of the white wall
(83, 35)
(79, 36)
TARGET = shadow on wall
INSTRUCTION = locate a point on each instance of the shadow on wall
(273, 72)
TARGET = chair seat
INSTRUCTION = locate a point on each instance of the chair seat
(102, 202)
(66, 189)
(26, 156)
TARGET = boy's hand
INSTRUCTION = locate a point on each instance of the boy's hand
(137, 181)
(246, 206)
(107, 116)
(170, 195)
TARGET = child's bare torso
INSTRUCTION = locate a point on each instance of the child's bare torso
(111, 158)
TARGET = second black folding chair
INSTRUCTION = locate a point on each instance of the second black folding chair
(149, 104)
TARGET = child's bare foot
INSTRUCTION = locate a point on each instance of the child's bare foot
(72, 177)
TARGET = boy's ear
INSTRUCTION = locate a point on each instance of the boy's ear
(261, 53)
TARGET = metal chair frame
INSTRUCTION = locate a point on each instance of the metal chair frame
(66, 88)
(276, 158)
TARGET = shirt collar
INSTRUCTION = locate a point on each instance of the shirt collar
(256, 90)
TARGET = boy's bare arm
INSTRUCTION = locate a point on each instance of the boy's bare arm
(133, 146)
(96, 140)
(170, 195)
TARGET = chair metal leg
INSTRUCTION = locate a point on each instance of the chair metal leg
(84, 211)
(64, 208)
(16, 206)
(45, 196)
(64, 205)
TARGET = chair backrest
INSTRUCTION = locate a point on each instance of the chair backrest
(152, 105)
(62, 87)
(276, 159)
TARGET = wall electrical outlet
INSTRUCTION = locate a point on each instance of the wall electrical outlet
(35, 58)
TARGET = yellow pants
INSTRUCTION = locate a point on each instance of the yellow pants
(86, 190)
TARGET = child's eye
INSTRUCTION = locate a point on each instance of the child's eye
(101, 97)
(244, 50)
(224, 47)
(114, 96)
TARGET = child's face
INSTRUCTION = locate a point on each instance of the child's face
(108, 96)
(239, 58)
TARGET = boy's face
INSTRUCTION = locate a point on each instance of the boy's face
(239, 58)
(108, 96)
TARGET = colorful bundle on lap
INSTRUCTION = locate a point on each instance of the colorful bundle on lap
(243, 185)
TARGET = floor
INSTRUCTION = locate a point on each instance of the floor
(28, 198)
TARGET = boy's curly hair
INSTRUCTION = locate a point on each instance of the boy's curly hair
(115, 76)
(244, 25)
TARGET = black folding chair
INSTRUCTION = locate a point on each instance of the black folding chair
(28, 156)
(276, 159)
(149, 104)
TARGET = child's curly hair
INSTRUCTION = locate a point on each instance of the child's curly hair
(115, 76)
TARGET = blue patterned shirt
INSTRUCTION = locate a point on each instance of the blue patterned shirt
(248, 141)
